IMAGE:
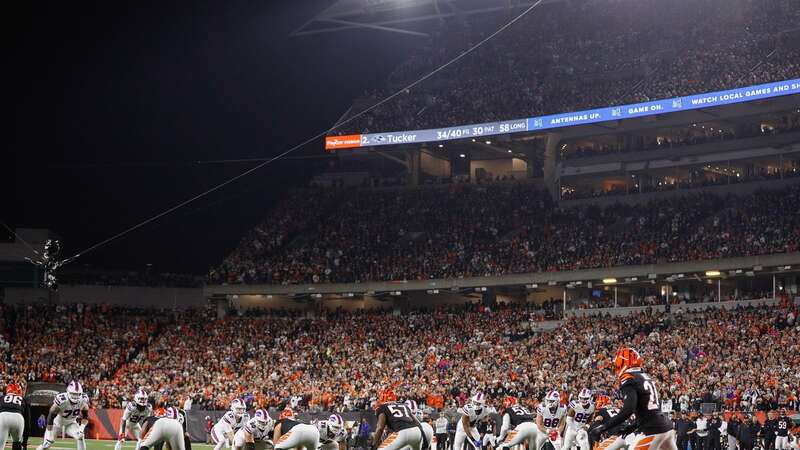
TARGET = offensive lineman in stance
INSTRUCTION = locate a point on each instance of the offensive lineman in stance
(132, 419)
(332, 435)
(67, 407)
(14, 411)
(517, 427)
(289, 433)
(255, 433)
(404, 430)
(166, 429)
(427, 429)
(640, 397)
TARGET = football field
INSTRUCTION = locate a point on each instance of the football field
(94, 444)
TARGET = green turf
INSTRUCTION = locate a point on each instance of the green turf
(93, 444)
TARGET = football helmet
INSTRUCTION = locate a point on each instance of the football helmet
(602, 401)
(585, 397)
(509, 401)
(238, 407)
(14, 389)
(552, 400)
(74, 391)
(263, 420)
(287, 413)
(625, 360)
(140, 398)
(335, 425)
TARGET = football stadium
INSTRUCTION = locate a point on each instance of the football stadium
(402, 225)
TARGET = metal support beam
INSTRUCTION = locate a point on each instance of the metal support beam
(375, 27)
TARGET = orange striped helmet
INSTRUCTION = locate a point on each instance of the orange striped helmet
(626, 359)
(602, 401)
(287, 413)
(14, 388)
(387, 396)
(509, 401)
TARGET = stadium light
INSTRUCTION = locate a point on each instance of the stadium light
(462, 156)
(609, 280)
(712, 273)
(531, 286)
(441, 145)
(488, 142)
(509, 151)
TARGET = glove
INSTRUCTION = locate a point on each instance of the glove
(628, 429)
(596, 432)
(476, 443)
(554, 435)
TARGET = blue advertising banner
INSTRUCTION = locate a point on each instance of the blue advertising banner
(686, 103)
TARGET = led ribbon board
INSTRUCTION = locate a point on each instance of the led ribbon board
(686, 103)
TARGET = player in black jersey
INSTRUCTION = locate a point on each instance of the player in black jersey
(14, 418)
(518, 425)
(782, 426)
(290, 433)
(404, 430)
(640, 397)
(615, 437)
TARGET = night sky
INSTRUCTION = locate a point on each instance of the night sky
(109, 106)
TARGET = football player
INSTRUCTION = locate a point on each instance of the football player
(782, 426)
(578, 415)
(256, 433)
(518, 425)
(289, 433)
(640, 397)
(14, 410)
(227, 426)
(332, 435)
(67, 408)
(472, 412)
(166, 427)
(616, 438)
(132, 419)
(427, 429)
(550, 419)
(404, 430)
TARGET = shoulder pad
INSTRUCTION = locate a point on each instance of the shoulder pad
(571, 405)
(60, 398)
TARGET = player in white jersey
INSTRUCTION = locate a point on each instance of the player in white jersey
(578, 416)
(472, 412)
(550, 420)
(332, 435)
(225, 429)
(132, 419)
(427, 429)
(68, 407)
(256, 433)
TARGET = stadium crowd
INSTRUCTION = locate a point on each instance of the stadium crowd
(744, 359)
(565, 57)
(497, 229)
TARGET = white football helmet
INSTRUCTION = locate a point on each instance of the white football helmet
(171, 413)
(335, 425)
(479, 399)
(585, 397)
(263, 420)
(74, 391)
(140, 397)
(416, 411)
(552, 400)
(238, 407)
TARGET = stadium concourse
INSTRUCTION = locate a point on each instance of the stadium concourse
(564, 57)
